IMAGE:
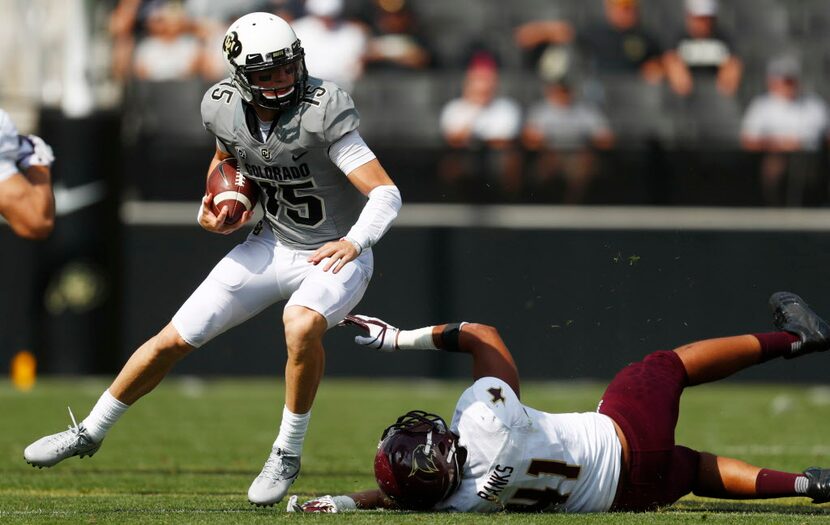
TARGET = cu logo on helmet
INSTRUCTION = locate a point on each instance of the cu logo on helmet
(232, 45)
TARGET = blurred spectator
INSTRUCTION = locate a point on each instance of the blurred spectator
(124, 26)
(49, 60)
(222, 10)
(169, 51)
(620, 43)
(211, 19)
(703, 53)
(617, 44)
(545, 43)
(334, 47)
(783, 121)
(481, 129)
(211, 34)
(395, 42)
(566, 133)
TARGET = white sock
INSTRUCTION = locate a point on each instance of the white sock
(103, 416)
(292, 431)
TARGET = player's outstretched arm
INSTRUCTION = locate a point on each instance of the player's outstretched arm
(366, 500)
(26, 198)
(27, 203)
(491, 357)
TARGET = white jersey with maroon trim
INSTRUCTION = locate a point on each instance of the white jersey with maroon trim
(519, 458)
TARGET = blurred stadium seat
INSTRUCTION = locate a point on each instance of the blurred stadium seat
(520, 11)
(810, 20)
(395, 104)
(167, 109)
(666, 19)
(167, 146)
(452, 28)
(759, 27)
(634, 109)
(705, 118)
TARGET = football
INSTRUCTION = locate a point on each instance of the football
(231, 190)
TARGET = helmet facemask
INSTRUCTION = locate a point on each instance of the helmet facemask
(258, 42)
(258, 95)
(419, 462)
(268, 97)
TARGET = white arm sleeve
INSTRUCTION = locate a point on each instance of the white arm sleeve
(377, 216)
(350, 152)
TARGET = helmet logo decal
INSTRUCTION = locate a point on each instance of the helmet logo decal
(423, 461)
(232, 46)
(497, 395)
(418, 462)
(282, 54)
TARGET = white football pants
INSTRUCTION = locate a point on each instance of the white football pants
(258, 273)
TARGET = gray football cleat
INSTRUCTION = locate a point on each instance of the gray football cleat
(277, 476)
(791, 314)
(50, 450)
(818, 484)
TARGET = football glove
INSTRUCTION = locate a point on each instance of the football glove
(323, 504)
(34, 151)
(380, 335)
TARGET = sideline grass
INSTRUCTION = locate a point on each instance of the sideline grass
(187, 453)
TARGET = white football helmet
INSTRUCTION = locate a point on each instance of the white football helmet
(260, 41)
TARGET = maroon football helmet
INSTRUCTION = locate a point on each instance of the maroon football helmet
(419, 461)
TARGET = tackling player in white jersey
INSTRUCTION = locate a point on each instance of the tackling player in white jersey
(26, 199)
(498, 454)
(327, 201)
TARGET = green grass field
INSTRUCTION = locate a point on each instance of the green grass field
(187, 452)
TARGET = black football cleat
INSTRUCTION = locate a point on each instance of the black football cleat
(791, 314)
(818, 484)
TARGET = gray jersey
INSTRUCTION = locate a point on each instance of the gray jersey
(307, 199)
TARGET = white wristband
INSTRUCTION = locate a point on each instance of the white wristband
(418, 339)
(344, 503)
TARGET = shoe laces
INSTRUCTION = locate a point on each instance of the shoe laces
(72, 437)
(276, 465)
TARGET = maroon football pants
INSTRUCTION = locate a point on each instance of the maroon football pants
(644, 400)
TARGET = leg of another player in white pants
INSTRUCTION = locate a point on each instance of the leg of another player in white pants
(241, 285)
(149, 364)
(144, 370)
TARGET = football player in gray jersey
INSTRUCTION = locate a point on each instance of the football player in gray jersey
(499, 454)
(327, 201)
(26, 200)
